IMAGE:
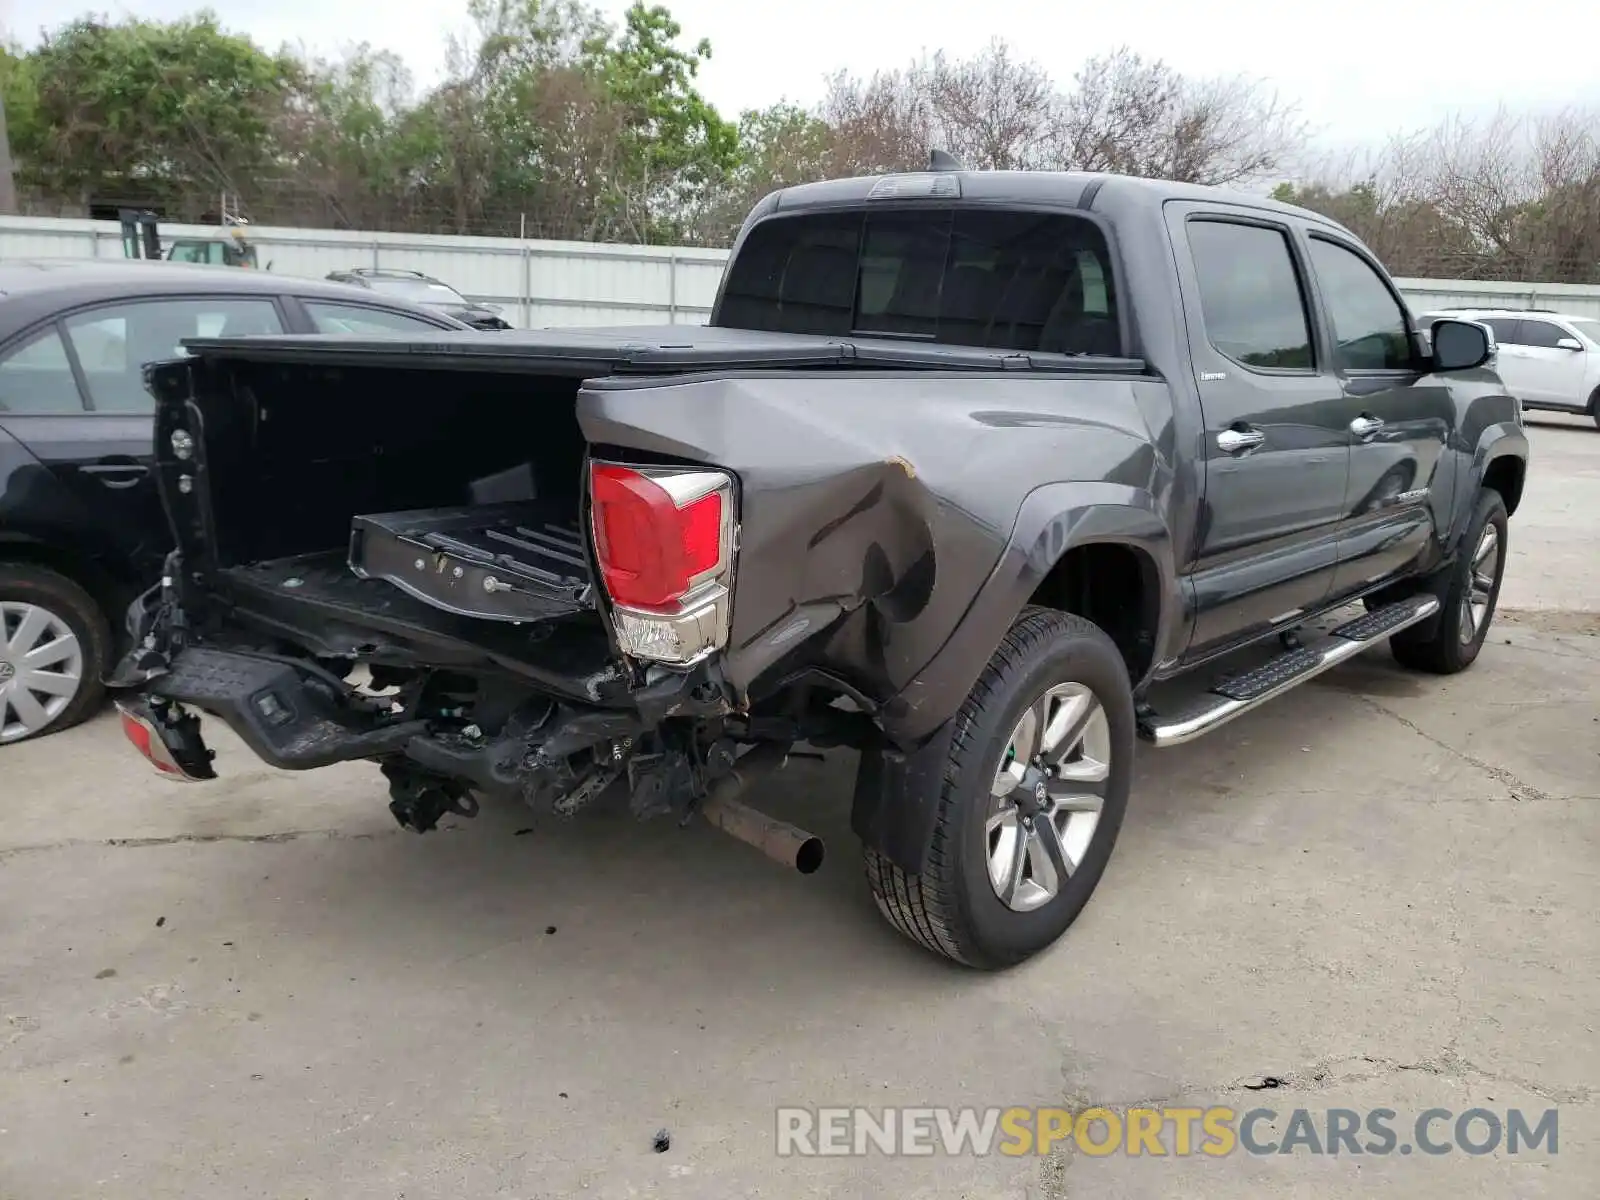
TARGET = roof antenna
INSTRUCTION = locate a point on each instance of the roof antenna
(940, 160)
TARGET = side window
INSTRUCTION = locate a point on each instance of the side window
(1505, 329)
(356, 318)
(115, 342)
(1250, 296)
(36, 377)
(1369, 324)
(1541, 334)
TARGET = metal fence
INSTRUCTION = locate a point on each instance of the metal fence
(540, 283)
(537, 283)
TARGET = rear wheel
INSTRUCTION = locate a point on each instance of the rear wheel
(1469, 603)
(1033, 797)
(54, 648)
(1594, 407)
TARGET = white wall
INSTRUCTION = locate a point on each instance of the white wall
(1574, 299)
(537, 283)
(585, 283)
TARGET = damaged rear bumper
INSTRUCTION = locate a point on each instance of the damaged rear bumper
(294, 714)
(294, 718)
(288, 721)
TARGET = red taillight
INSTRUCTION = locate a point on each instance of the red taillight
(652, 549)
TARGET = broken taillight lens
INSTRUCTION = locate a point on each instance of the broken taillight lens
(147, 740)
(663, 539)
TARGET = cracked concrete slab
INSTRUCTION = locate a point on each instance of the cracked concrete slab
(1380, 892)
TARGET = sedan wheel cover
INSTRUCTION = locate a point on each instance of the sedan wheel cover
(1047, 796)
(41, 668)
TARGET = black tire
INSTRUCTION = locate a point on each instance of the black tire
(1444, 650)
(42, 588)
(1594, 407)
(952, 908)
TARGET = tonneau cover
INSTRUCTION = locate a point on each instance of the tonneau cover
(646, 349)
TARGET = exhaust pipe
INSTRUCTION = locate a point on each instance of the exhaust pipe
(778, 840)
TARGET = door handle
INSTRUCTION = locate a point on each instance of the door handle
(1235, 441)
(1365, 426)
(116, 475)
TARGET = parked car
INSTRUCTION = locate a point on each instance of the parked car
(1547, 360)
(963, 465)
(425, 289)
(81, 525)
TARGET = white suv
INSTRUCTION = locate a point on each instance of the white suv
(1547, 360)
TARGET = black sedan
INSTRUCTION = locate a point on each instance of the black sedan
(82, 530)
(424, 289)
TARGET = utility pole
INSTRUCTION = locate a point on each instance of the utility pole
(8, 183)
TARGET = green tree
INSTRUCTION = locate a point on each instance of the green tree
(19, 85)
(779, 146)
(172, 111)
(671, 143)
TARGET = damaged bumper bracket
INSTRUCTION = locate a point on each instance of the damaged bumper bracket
(286, 721)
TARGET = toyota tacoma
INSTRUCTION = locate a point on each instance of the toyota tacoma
(964, 464)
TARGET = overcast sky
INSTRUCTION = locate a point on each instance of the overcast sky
(1359, 70)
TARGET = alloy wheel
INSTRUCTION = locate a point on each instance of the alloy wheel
(1482, 575)
(1047, 796)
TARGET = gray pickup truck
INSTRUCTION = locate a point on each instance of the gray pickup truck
(963, 465)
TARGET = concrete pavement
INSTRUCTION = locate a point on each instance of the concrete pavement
(1379, 892)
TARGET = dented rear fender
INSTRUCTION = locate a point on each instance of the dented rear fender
(875, 509)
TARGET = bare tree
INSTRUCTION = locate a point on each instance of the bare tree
(881, 124)
(1511, 197)
(1136, 117)
(1122, 114)
(992, 111)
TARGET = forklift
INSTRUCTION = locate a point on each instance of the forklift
(141, 239)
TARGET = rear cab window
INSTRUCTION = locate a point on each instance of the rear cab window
(996, 278)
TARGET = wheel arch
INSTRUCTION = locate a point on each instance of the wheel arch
(1117, 585)
(109, 589)
(1064, 535)
(1506, 473)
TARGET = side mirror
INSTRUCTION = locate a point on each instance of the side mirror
(494, 308)
(1461, 345)
(1569, 344)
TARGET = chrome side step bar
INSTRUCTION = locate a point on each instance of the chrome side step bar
(1237, 695)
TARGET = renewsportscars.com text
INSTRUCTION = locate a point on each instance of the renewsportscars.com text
(1160, 1132)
